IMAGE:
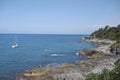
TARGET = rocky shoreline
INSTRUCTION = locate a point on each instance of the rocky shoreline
(98, 59)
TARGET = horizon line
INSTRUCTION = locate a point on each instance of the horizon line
(46, 33)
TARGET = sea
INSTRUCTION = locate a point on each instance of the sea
(36, 50)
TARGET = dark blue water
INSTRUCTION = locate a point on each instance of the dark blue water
(35, 50)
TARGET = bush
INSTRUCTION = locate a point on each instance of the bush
(106, 74)
(107, 33)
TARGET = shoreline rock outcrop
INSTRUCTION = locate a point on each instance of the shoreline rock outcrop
(98, 59)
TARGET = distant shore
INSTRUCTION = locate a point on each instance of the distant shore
(98, 59)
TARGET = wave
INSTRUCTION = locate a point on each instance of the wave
(57, 55)
(77, 53)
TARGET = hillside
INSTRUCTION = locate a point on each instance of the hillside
(112, 33)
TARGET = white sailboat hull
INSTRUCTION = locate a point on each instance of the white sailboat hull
(14, 46)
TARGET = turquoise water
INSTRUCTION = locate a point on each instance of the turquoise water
(35, 50)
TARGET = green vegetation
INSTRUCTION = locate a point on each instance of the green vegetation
(106, 74)
(112, 33)
(108, 32)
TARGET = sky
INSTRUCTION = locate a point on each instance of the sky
(57, 16)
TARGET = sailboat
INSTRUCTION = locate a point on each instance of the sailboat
(15, 45)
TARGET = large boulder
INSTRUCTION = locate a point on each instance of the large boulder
(88, 52)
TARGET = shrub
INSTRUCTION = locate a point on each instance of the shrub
(106, 74)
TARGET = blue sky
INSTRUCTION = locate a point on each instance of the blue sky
(57, 16)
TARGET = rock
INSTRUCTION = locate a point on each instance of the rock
(70, 76)
(88, 52)
(118, 61)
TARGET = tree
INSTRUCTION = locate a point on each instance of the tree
(118, 26)
(107, 27)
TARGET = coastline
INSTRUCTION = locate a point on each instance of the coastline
(101, 59)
